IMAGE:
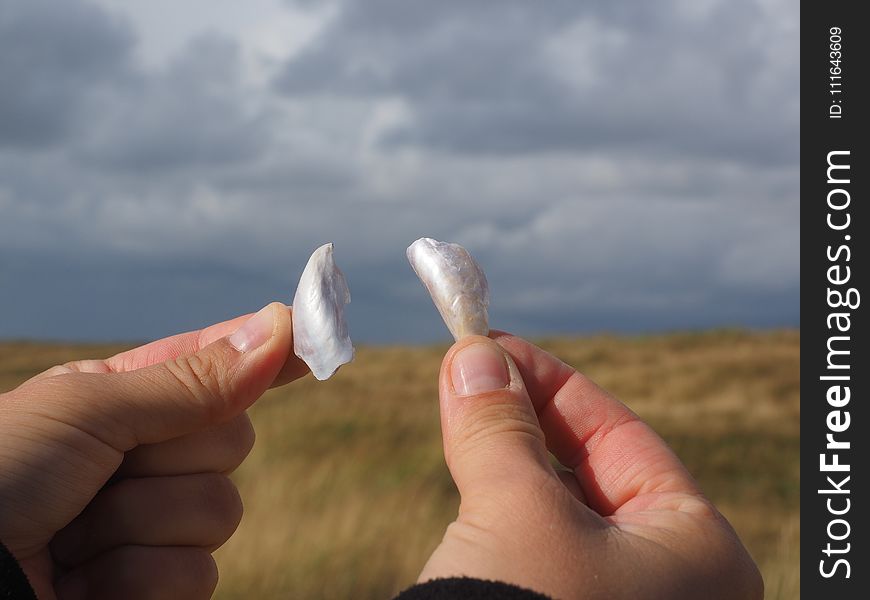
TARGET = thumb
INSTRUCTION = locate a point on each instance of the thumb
(490, 429)
(183, 394)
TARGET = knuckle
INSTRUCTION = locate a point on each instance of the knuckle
(497, 420)
(203, 572)
(739, 568)
(200, 379)
(221, 504)
(63, 369)
(239, 440)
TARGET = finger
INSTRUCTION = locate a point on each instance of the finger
(491, 434)
(140, 573)
(193, 341)
(218, 449)
(178, 396)
(188, 510)
(620, 462)
(171, 348)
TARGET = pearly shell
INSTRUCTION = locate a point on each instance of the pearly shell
(456, 283)
(320, 335)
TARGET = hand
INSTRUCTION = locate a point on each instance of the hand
(165, 422)
(627, 521)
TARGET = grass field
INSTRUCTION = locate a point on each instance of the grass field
(346, 491)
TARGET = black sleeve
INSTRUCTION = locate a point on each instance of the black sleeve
(466, 588)
(13, 581)
(14, 586)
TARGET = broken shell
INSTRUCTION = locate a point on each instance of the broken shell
(320, 334)
(456, 283)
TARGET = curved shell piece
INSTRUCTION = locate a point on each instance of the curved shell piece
(456, 283)
(320, 334)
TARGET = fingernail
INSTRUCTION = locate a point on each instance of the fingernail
(254, 332)
(479, 368)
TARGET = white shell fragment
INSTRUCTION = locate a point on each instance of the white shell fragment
(320, 335)
(456, 283)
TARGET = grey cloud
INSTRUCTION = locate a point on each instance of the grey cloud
(595, 195)
(517, 77)
(192, 113)
(52, 55)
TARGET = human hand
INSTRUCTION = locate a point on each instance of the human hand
(628, 521)
(165, 422)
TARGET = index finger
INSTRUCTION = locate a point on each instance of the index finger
(187, 343)
(170, 348)
(173, 346)
(620, 462)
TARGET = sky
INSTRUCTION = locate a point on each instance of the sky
(613, 166)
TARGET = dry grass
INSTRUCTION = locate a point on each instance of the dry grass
(346, 492)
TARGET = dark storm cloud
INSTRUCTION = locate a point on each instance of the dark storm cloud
(188, 114)
(613, 165)
(519, 77)
(52, 55)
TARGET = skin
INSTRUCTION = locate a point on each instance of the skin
(113, 474)
(113, 477)
(625, 521)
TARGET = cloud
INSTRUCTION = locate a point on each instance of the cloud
(622, 166)
(52, 55)
(509, 77)
(189, 113)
